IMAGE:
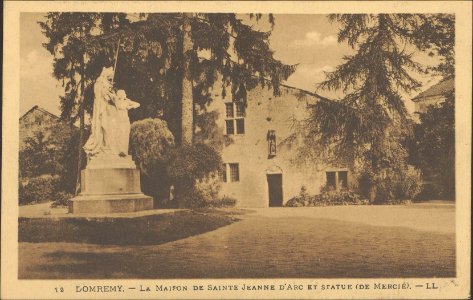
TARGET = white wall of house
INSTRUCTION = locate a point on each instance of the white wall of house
(250, 151)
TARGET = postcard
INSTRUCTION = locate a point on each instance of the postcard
(236, 150)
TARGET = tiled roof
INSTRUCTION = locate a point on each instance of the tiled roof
(36, 107)
(440, 88)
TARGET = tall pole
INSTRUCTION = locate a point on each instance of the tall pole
(116, 59)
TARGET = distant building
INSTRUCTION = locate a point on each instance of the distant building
(43, 132)
(37, 120)
(433, 95)
(259, 168)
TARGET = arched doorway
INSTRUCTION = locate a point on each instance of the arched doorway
(275, 195)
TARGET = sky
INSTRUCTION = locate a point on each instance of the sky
(307, 40)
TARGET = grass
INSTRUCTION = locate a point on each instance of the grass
(146, 230)
(267, 244)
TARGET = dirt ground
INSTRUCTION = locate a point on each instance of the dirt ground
(318, 242)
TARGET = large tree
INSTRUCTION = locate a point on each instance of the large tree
(369, 124)
(67, 35)
(433, 148)
(237, 55)
(158, 60)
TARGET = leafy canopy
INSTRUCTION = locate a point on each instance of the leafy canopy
(150, 58)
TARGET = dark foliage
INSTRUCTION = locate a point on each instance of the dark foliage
(433, 149)
(220, 203)
(51, 155)
(150, 142)
(370, 124)
(38, 189)
(186, 166)
(327, 197)
(61, 199)
(150, 59)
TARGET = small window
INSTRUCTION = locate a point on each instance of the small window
(240, 126)
(343, 179)
(331, 180)
(234, 172)
(223, 173)
(229, 110)
(337, 180)
(240, 109)
(230, 128)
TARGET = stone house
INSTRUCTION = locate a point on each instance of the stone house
(45, 128)
(433, 95)
(34, 121)
(260, 169)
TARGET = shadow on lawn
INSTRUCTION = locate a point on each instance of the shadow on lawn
(146, 230)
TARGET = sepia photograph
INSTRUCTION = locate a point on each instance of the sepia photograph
(189, 145)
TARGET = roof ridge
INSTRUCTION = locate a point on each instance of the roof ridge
(40, 109)
(440, 88)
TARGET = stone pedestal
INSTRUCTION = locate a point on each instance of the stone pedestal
(110, 185)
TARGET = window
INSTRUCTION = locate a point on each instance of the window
(223, 173)
(240, 126)
(230, 127)
(240, 109)
(343, 179)
(337, 180)
(235, 118)
(234, 172)
(331, 180)
(229, 110)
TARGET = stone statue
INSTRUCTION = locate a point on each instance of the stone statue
(110, 123)
(111, 182)
(123, 104)
(110, 128)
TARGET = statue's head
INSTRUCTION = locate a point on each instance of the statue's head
(107, 73)
(121, 94)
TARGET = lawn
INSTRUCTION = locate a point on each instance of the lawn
(269, 243)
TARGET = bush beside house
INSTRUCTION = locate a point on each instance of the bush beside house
(327, 197)
(47, 157)
(176, 176)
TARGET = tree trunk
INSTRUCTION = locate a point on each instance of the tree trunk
(187, 104)
(81, 130)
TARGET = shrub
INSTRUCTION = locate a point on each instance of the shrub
(38, 189)
(404, 185)
(150, 142)
(61, 199)
(325, 198)
(430, 191)
(223, 202)
(192, 169)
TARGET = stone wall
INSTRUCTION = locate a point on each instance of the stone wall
(34, 121)
(266, 112)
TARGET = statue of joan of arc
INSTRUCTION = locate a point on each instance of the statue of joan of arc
(110, 128)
